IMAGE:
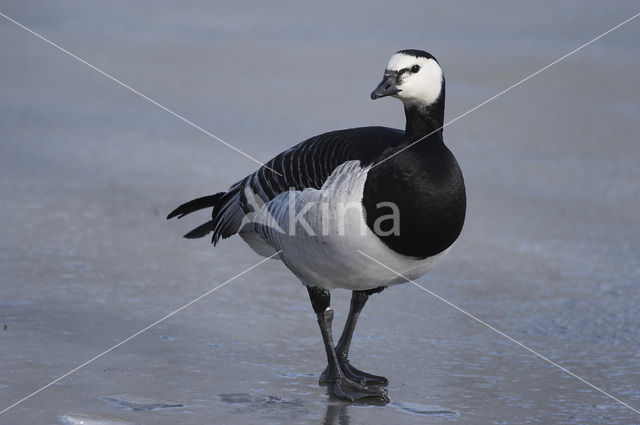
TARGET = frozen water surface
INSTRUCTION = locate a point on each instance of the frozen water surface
(420, 409)
(550, 253)
(141, 402)
(72, 418)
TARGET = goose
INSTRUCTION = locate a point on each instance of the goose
(396, 196)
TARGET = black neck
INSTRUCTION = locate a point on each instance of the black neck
(424, 121)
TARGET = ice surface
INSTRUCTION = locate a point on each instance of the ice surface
(550, 253)
(420, 409)
(141, 402)
(79, 418)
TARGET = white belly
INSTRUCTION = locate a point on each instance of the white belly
(321, 247)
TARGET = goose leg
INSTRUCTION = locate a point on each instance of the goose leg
(358, 300)
(342, 386)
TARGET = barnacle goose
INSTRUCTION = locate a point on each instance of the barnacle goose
(369, 189)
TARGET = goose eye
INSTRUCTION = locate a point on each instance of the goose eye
(415, 68)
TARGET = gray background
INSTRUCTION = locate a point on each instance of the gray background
(88, 171)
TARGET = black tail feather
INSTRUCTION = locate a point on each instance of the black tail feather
(200, 231)
(195, 205)
(224, 222)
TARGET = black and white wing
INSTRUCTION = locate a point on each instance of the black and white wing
(306, 165)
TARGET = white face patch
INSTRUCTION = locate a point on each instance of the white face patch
(420, 88)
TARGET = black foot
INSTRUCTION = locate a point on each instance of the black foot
(350, 372)
(348, 390)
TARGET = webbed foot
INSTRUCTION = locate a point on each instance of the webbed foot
(353, 374)
(349, 390)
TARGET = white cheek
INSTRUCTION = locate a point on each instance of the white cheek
(422, 88)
